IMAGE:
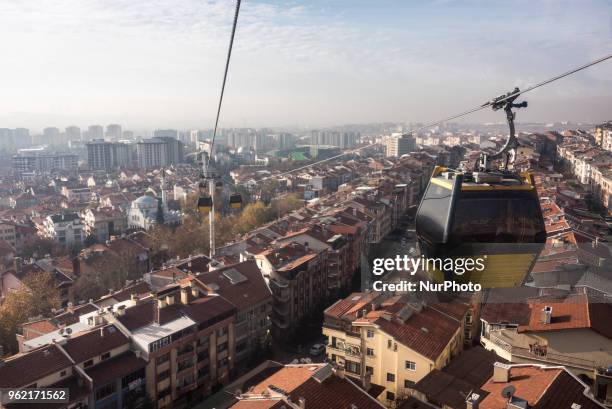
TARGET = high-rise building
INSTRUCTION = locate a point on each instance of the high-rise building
(102, 154)
(73, 133)
(51, 135)
(95, 132)
(342, 140)
(29, 160)
(174, 149)
(398, 145)
(166, 133)
(128, 134)
(151, 153)
(194, 136)
(113, 132)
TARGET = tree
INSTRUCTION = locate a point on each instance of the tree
(37, 295)
(287, 204)
(254, 215)
(39, 247)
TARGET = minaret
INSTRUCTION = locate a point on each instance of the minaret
(163, 188)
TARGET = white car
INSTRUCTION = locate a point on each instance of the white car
(317, 349)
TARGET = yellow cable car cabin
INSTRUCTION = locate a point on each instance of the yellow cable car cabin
(204, 204)
(235, 201)
(495, 216)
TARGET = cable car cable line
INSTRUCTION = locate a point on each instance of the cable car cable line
(227, 62)
(487, 104)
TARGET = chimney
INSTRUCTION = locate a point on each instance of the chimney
(501, 372)
(472, 401)
(184, 295)
(195, 291)
(101, 332)
(170, 299)
(340, 372)
(161, 303)
(302, 403)
(546, 314)
(17, 264)
(76, 266)
(121, 310)
(134, 298)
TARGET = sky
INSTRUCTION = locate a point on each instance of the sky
(159, 63)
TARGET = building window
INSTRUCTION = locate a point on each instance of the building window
(105, 391)
(370, 352)
(163, 375)
(390, 396)
(370, 333)
(163, 358)
(104, 356)
(408, 383)
(222, 331)
(353, 367)
(390, 377)
(369, 370)
(62, 374)
(87, 364)
(411, 366)
(222, 347)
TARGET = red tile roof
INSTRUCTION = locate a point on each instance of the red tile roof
(85, 346)
(24, 369)
(319, 391)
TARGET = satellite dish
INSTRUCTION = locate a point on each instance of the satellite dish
(508, 391)
(68, 331)
(61, 331)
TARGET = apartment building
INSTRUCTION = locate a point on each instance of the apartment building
(186, 336)
(8, 232)
(335, 250)
(65, 228)
(296, 274)
(95, 364)
(392, 341)
(603, 135)
(243, 285)
(571, 330)
(102, 223)
(380, 213)
(42, 161)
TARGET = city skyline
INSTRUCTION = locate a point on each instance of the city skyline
(301, 64)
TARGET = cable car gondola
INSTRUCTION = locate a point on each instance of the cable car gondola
(235, 201)
(205, 202)
(492, 215)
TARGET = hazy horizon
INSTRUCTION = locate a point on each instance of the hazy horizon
(151, 64)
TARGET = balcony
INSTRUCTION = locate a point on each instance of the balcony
(280, 323)
(283, 310)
